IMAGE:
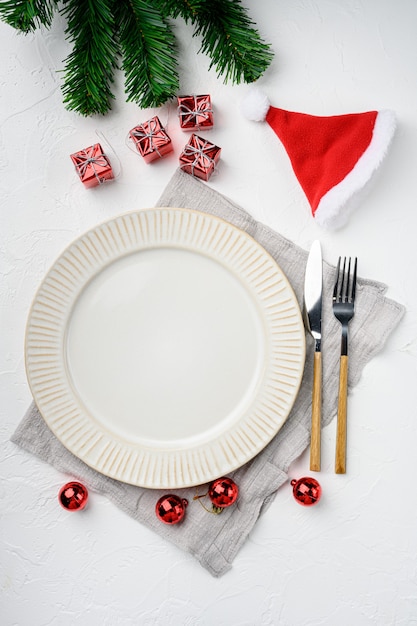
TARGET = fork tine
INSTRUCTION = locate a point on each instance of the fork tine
(354, 280)
(337, 281)
(345, 283)
(349, 283)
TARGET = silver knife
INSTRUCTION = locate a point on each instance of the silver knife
(313, 287)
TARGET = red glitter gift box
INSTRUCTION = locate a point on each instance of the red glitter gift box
(195, 112)
(199, 157)
(151, 140)
(92, 166)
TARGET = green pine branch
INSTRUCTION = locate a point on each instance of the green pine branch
(27, 15)
(228, 36)
(90, 66)
(235, 47)
(149, 53)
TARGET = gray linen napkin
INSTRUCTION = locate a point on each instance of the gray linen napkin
(216, 539)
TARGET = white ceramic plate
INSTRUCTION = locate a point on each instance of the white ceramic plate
(165, 348)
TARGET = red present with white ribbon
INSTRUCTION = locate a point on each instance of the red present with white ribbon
(151, 140)
(92, 166)
(199, 157)
(195, 112)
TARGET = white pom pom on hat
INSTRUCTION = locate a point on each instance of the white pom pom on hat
(255, 106)
(333, 157)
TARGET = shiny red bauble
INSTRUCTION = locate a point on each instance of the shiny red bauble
(223, 492)
(73, 496)
(306, 490)
(170, 509)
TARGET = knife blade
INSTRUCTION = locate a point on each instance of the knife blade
(313, 289)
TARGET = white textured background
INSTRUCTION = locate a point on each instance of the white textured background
(351, 560)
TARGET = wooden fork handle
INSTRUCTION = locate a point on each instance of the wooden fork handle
(340, 464)
(316, 415)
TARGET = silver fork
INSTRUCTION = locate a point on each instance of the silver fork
(343, 309)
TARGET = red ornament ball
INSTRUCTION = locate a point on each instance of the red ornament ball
(73, 496)
(170, 509)
(223, 492)
(306, 490)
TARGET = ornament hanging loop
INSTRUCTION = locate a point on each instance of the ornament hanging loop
(115, 158)
(212, 510)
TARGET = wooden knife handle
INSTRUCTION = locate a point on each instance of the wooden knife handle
(340, 464)
(316, 415)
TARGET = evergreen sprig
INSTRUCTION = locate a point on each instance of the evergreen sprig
(149, 53)
(90, 66)
(228, 36)
(27, 15)
(139, 32)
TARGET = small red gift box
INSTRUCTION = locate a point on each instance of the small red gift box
(199, 157)
(92, 166)
(195, 112)
(151, 140)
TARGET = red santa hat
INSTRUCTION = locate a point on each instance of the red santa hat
(332, 157)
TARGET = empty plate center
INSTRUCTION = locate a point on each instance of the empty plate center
(164, 345)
